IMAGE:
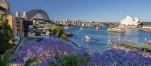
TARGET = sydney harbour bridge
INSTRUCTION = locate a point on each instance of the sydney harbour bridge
(35, 16)
(38, 14)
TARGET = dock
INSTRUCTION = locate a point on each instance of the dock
(128, 45)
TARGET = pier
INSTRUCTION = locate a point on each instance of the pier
(128, 45)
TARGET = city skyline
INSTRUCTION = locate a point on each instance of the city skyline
(89, 10)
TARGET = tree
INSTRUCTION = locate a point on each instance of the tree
(63, 37)
(56, 30)
(6, 34)
(50, 32)
(35, 27)
(44, 31)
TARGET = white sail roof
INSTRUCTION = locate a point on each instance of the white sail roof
(129, 21)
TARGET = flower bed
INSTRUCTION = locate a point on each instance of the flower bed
(47, 49)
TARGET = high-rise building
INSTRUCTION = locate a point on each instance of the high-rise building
(67, 20)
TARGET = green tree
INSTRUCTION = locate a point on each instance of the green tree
(56, 30)
(5, 34)
(4, 59)
(50, 32)
(59, 29)
(63, 37)
(44, 31)
(35, 26)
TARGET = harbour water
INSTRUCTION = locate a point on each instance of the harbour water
(99, 38)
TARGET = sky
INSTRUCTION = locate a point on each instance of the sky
(89, 10)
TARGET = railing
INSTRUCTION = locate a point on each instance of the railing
(14, 49)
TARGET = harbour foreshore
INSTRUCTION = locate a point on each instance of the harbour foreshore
(146, 29)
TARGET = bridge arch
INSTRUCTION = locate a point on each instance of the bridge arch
(32, 13)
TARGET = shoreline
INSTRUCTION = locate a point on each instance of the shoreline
(144, 29)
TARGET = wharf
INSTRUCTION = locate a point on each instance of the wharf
(132, 44)
(128, 45)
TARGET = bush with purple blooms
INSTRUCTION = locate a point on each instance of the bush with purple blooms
(55, 52)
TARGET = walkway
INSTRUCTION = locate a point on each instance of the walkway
(21, 44)
(38, 36)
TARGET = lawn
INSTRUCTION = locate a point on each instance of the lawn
(32, 39)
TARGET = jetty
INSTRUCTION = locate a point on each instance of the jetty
(128, 45)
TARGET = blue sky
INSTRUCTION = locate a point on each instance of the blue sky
(89, 10)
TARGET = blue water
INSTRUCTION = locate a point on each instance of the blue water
(99, 38)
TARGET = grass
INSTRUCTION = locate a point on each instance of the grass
(32, 39)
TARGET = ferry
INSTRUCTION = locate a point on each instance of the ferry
(116, 30)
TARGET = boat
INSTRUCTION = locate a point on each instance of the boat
(115, 30)
(87, 37)
(68, 34)
(97, 28)
(81, 28)
(66, 27)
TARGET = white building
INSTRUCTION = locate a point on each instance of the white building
(129, 21)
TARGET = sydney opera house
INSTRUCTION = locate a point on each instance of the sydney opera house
(128, 22)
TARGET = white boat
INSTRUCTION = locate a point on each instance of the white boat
(87, 37)
(97, 28)
(66, 27)
(81, 28)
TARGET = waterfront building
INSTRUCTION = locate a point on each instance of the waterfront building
(128, 22)
(15, 23)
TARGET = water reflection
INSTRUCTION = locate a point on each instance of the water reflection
(131, 35)
(114, 36)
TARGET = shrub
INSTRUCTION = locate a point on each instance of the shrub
(43, 32)
(40, 39)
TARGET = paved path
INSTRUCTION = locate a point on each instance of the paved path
(38, 36)
(21, 44)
